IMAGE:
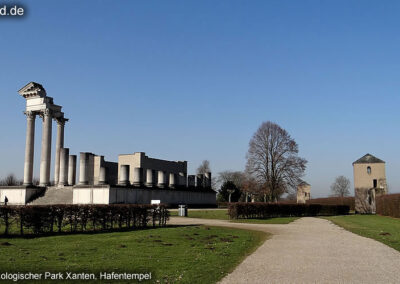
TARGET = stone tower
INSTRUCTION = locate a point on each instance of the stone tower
(369, 180)
(303, 192)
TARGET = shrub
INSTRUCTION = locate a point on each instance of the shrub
(260, 210)
(388, 205)
(334, 201)
(43, 219)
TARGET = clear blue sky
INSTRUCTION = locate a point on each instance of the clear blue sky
(193, 80)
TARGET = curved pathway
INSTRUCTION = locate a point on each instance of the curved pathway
(311, 250)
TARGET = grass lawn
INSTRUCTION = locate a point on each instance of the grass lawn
(190, 254)
(381, 228)
(222, 214)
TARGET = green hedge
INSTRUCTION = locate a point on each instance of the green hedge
(388, 205)
(348, 200)
(42, 219)
(260, 210)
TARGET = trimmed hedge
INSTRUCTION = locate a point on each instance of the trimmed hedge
(43, 219)
(349, 200)
(261, 210)
(388, 205)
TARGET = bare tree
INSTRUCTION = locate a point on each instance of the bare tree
(236, 177)
(204, 167)
(273, 160)
(10, 180)
(340, 187)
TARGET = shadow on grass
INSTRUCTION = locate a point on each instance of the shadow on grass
(91, 232)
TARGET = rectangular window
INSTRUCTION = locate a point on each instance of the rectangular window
(375, 183)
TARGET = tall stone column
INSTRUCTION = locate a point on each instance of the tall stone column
(72, 170)
(207, 180)
(172, 180)
(182, 179)
(200, 180)
(102, 175)
(137, 177)
(83, 168)
(29, 147)
(149, 178)
(124, 175)
(59, 145)
(191, 180)
(64, 160)
(46, 149)
(161, 179)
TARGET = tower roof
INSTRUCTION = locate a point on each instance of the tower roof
(369, 159)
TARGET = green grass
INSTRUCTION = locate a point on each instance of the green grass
(222, 214)
(190, 254)
(383, 229)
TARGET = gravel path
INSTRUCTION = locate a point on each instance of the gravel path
(311, 250)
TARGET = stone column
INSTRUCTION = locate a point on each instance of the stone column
(137, 177)
(182, 179)
(191, 180)
(72, 170)
(29, 147)
(124, 175)
(200, 180)
(46, 149)
(207, 180)
(149, 178)
(102, 175)
(172, 182)
(59, 145)
(161, 179)
(83, 168)
(64, 160)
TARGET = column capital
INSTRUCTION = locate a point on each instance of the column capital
(61, 120)
(30, 114)
(45, 112)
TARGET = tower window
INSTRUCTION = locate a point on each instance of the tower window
(369, 170)
(375, 183)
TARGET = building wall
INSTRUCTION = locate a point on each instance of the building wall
(140, 160)
(364, 180)
(112, 195)
(17, 195)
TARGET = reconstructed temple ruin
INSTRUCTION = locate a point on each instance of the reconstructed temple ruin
(136, 178)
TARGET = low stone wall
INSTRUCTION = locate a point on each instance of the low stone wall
(18, 195)
(114, 194)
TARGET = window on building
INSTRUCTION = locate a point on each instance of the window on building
(375, 183)
(369, 170)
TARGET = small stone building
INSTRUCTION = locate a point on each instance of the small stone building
(369, 181)
(303, 192)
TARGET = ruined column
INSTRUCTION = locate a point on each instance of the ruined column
(59, 145)
(46, 149)
(191, 180)
(29, 147)
(182, 179)
(172, 180)
(137, 177)
(149, 178)
(64, 160)
(161, 179)
(83, 168)
(102, 175)
(72, 170)
(207, 180)
(124, 175)
(200, 180)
